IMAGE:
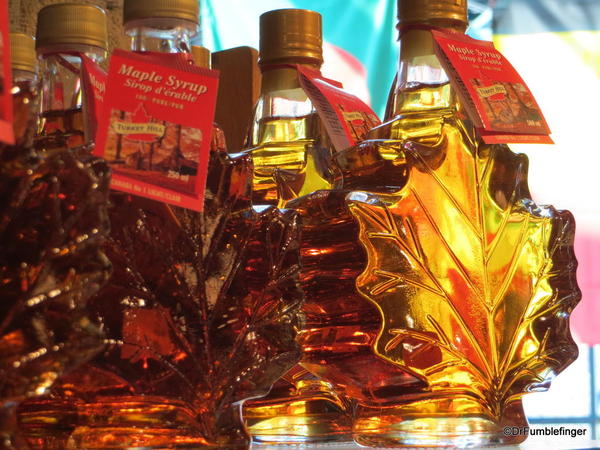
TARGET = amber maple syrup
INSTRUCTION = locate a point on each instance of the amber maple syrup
(53, 222)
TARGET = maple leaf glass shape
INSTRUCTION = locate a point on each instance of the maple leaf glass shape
(53, 223)
(474, 283)
(200, 314)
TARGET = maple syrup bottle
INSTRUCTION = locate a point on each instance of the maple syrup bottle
(64, 33)
(24, 68)
(291, 151)
(473, 281)
(53, 222)
(168, 28)
(201, 311)
(159, 27)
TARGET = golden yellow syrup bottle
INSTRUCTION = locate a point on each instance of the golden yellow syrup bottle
(473, 281)
(64, 33)
(291, 153)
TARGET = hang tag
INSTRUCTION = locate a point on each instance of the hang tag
(347, 118)
(93, 81)
(156, 127)
(495, 96)
(6, 113)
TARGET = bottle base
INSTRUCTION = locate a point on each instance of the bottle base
(123, 437)
(126, 422)
(300, 409)
(403, 427)
(290, 430)
(325, 423)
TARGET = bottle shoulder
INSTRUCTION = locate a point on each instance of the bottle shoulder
(421, 125)
(381, 163)
(290, 149)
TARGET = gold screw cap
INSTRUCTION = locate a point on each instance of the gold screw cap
(161, 9)
(425, 11)
(71, 23)
(291, 34)
(201, 56)
(22, 50)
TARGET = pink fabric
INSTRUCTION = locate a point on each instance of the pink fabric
(585, 321)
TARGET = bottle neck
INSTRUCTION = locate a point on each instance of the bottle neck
(281, 94)
(422, 83)
(24, 99)
(277, 78)
(61, 121)
(61, 78)
(286, 134)
(161, 35)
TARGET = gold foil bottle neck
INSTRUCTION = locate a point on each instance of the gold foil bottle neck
(427, 11)
(71, 24)
(201, 56)
(161, 9)
(291, 35)
(22, 50)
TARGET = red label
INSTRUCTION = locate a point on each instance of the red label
(494, 94)
(93, 80)
(156, 127)
(346, 117)
(6, 113)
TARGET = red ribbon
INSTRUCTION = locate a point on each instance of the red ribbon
(63, 62)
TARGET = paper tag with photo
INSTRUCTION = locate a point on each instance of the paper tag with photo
(156, 127)
(493, 93)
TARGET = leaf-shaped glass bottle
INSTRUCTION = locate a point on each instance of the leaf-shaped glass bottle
(201, 312)
(53, 223)
(291, 154)
(474, 281)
